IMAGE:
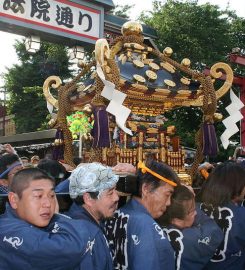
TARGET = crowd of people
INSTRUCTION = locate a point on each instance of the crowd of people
(163, 224)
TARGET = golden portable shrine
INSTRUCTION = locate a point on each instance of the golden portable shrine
(129, 87)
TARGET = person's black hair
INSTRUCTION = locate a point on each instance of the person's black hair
(177, 208)
(77, 160)
(147, 178)
(22, 179)
(79, 199)
(53, 168)
(224, 184)
(5, 161)
(48, 156)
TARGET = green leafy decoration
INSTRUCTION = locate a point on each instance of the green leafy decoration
(79, 123)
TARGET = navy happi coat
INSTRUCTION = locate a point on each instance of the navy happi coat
(137, 241)
(195, 246)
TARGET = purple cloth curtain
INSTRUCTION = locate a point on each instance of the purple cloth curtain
(100, 131)
(58, 151)
(210, 146)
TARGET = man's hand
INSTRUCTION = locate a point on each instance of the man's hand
(124, 167)
(9, 149)
(68, 167)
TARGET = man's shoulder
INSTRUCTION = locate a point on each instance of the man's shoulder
(134, 217)
(135, 209)
(9, 221)
(81, 225)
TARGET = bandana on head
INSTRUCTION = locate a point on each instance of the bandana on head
(91, 177)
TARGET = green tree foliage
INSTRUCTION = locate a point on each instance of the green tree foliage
(121, 11)
(24, 83)
(204, 34)
(199, 32)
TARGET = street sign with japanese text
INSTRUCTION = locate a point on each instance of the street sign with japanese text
(77, 20)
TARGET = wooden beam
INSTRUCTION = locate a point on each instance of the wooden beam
(236, 80)
(237, 58)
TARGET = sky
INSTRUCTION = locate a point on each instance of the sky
(8, 55)
(141, 5)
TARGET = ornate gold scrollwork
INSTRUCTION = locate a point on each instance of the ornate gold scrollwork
(217, 74)
(102, 52)
(216, 71)
(54, 82)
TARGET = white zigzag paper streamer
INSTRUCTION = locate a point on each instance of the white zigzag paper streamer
(230, 122)
(50, 107)
(116, 98)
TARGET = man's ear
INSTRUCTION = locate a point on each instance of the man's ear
(13, 200)
(87, 199)
(145, 190)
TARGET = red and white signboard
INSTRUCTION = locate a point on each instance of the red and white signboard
(60, 17)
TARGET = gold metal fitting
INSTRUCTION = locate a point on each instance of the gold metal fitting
(151, 75)
(138, 63)
(185, 81)
(170, 68)
(218, 117)
(169, 83)
(186, 62)
(132, 28)
(168, 51)
(139, 78)
(154, 66)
